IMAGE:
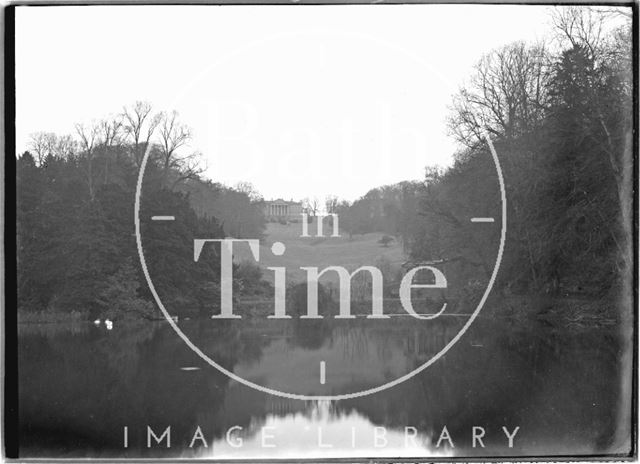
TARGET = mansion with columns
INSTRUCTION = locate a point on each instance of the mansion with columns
(283, 210)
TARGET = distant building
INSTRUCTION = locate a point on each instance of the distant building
(283, 210)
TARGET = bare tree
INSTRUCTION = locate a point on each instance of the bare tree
(110, 134)
(88, 140)
(249, 189)
(603, 33)
(312, 205)
(174, 136)
(66, 146)
(111, 131)
(42, 144)
(581, 27)
(139, 124)
(189, 167)
(506, 96)
(331, 203)
(607, 47)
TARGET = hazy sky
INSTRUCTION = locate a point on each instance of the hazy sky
(301, 101)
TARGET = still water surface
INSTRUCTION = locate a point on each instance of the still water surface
(80, 385)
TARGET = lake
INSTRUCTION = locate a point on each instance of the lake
(555, 391)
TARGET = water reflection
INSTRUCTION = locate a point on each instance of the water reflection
(80, 385)
(321, 431)
(358, 354)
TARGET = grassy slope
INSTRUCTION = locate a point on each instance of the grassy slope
(319, 251)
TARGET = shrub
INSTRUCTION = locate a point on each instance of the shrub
(120, 297)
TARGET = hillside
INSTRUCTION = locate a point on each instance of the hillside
(320, 251)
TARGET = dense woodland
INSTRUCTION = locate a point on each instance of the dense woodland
(560, 118)
(559, 115)
(75, 235)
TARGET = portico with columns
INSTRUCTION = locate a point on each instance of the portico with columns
(283, 210)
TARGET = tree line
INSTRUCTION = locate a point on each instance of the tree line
(560, 117)
(76, 247)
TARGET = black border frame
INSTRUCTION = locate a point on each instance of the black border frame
(10, 332)
(10, 327)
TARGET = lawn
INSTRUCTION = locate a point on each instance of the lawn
(320, 251)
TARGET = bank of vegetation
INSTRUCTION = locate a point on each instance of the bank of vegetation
(560, 116)
(76, 249)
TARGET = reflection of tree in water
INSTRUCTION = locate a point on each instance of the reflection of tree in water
(52, 330)
(227, 341)
(355, 335)
(421, 345)
(297, 300)
(495, 376)
(354, 339)
(121, 348)
(309, 333)
(528, 378)
(78, 389)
